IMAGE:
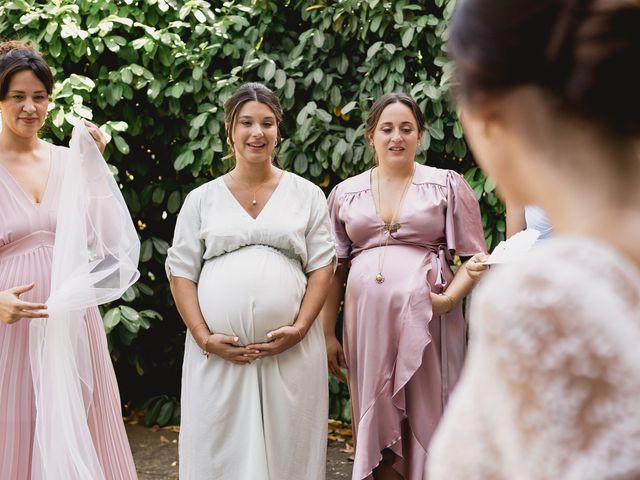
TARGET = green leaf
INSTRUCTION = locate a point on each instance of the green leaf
(129, 313)
(407, 36)
(160, 245)
(173, 204)
(111, 319)
(121, 144)
(280, 79)
(184, 160)
(269, 70)
(165, 413)
(146, 250)
(126, 75)
(348, 107)
(301, 163)
(318, 39)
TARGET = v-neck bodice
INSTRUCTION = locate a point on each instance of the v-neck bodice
(265, 206)
(212, 223)
(20, 217)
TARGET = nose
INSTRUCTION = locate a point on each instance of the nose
(256, 131)
(29, 106)
(396, 137)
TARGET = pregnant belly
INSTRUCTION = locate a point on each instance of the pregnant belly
(249, 292)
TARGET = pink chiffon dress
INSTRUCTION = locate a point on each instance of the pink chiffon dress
(27, 234)
(402, 361)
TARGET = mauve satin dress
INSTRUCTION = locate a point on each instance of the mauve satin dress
(402, 361)
(27, 234)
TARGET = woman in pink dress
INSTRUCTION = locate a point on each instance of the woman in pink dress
(397, 228)
(31, 173)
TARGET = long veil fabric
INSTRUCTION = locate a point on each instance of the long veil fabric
(95, 258)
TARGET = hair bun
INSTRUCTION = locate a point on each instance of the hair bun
(603, 78)
(10, 45)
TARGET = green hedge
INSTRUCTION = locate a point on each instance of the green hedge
(156, 73)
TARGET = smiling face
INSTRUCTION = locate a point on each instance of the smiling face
(254, 132)
(24, 107)
(396, 135)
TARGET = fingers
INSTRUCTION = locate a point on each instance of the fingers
(19, 290)
(21, 305)
(228, 340)
(97, 135)
(33, 314)
(334, 369)
(275, 334)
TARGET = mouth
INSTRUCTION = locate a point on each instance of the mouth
(396, 149)
(28, 119)
(256, 146)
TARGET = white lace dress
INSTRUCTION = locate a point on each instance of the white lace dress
(551, 388)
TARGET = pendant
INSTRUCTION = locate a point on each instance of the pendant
(254, 202)
(391, 227)
(379, 278)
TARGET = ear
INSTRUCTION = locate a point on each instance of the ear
(370, 139)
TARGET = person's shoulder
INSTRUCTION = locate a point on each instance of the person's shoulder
(299, 181)
(201, 192)
(356, 184)
(426, 174)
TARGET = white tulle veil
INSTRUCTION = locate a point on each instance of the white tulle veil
(95, 258)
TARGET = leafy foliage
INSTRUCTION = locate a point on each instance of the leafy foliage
(155, 75)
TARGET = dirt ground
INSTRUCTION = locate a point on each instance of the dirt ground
(155, 452)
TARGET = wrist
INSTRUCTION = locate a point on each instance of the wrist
(450, 301)
(302, 331)
(201, 335)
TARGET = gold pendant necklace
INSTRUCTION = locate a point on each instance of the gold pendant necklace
(254, 202)
(391, 227)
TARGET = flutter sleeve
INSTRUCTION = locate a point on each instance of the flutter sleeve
(184, 258)
(343, 242)
(463, 227)
(321, 250)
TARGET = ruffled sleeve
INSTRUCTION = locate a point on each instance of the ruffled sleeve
(321, 250)
(463, 228)
(184, 258)
(343, 242)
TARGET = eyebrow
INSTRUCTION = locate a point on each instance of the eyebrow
(249, 117)
(403, 123)
(22, 91)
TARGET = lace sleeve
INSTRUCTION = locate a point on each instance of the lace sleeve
(552, 387)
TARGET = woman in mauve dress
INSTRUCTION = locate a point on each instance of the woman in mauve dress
(31, 176)
(250, 266)
(397, 228)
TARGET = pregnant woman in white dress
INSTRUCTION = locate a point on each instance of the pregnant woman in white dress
(250, 266)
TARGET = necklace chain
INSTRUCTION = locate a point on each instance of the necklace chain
(392, 226)
(254, 202)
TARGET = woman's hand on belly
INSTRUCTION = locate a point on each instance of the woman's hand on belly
(227, 348)
(282, 339)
